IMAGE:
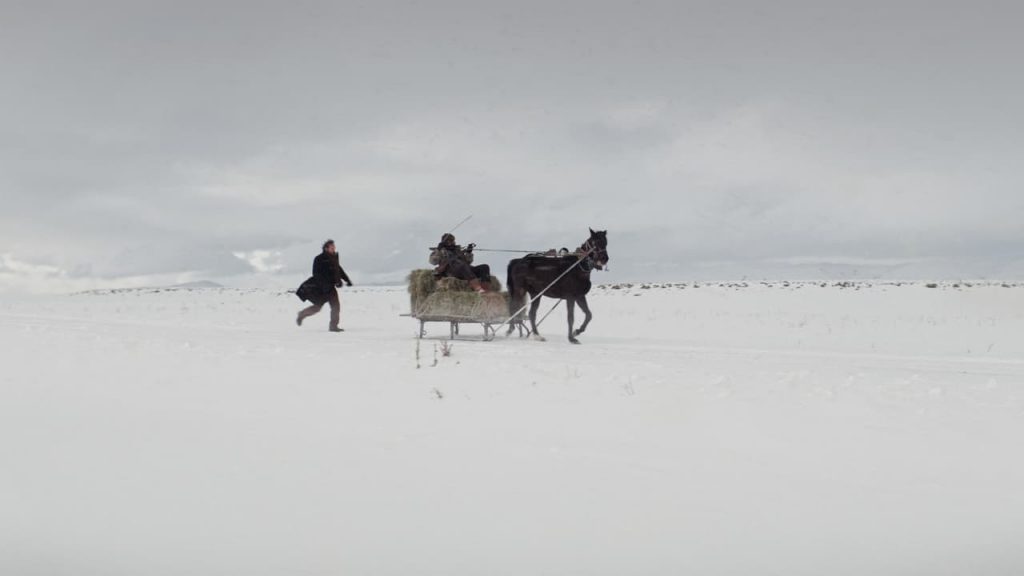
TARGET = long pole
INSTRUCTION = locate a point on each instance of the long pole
(541, 321)
(461, 222)
(475, 249)
(511, 251)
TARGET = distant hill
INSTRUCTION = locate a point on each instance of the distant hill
(198, 284)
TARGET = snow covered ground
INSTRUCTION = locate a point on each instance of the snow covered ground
(712, 429)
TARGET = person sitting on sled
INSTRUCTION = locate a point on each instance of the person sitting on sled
(457, 262)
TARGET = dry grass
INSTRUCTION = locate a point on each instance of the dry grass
(451, 297)
(421, 285)
(492, 306)
(456, 285)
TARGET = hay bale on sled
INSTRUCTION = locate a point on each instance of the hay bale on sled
(449, 284)
(451, 297)
(421, 284)
(468, 306)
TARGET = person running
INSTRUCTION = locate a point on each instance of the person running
(321, 288)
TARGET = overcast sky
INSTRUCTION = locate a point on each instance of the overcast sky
(157, 142)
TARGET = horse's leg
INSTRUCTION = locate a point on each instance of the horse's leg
(582, 301)
(523, 330)
(533, 318)
(570, 305)
(512, 325)
(515, 295)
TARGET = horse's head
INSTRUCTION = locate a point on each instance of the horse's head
(598, 245)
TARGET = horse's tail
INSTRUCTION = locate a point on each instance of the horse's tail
(515, 297)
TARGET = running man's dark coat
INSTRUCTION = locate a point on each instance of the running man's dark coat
(327, 273)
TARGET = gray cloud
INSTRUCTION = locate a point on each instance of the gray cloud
(160, 139)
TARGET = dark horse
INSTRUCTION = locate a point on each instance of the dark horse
(532, 274)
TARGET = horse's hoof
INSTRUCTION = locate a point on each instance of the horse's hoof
(577, 332)
(539, 338)
(574, 341)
